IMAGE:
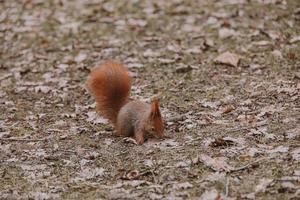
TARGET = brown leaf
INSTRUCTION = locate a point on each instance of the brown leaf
(277, 54)
(263, 184)
(296, 154)
(89, 173)
(295, 39)
(261, 43)
(183, 69)
(228, 58)
(226, 33)
(130, 175)
(217, 163)
(219, 142)
(185, 185)
(210, 195)
(227, 109)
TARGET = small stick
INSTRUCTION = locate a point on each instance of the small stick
(246, 166)
(227, 187)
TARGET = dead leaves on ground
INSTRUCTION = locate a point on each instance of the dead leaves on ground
(217, 164)
(224, 119)
(130, 175)
(228, 58)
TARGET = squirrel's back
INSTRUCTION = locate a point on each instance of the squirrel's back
(110, 85)
(131, 115)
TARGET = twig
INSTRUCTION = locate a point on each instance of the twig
(227, 187)
(245, 166)
(23, 139)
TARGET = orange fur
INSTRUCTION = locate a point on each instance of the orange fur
(156, 116)
(110, 85)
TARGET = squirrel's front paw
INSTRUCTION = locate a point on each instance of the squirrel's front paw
(130, 140)
(139, 138)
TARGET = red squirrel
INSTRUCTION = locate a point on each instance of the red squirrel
(110, 85)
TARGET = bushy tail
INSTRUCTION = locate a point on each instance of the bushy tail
(110, 85)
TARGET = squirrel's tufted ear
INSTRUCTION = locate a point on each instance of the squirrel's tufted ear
(155, 112)
(156, 117)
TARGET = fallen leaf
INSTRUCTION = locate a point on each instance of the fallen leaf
(166, 60)
(210, 195)
(296, 154)
(43, 195)
(80, 57)
(279, 149)
(137, 22)
(293, 133)
(261, 43)
(217, 176)
(174, 48)
(148, 163)
(212, 21)
(209, 104)
(219, 142)
(185, 185)
(183, 164)
(288, 185)
(233, 2)
(226, 109)
(95, 118)
(239, 140)
(4, 134)
(255, 66)
(297, 172)
(263, 184)
(193, 50)
(274, 35)
(154, 196)
(228, 58)
(295, 39)
(277, 54)
(269, 110)
(130, 175)
(184, 69)
(135, 65)
(89, 173)
(249, 195)
(226, 33)
(207, 141)
(217, 163)
(133, 183)
(209, 42)
(290, 178)
(166, 143)
(108, 141)
(62, 66)
(108, 7)
(151, 53)
(43, 89)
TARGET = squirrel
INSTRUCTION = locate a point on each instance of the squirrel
(110, 85)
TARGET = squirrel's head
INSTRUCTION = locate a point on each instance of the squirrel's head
(156, 123)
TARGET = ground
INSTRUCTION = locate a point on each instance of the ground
(232, 120)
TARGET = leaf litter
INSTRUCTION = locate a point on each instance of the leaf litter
(232, 131)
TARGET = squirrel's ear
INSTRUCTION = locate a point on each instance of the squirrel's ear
(155, 112)
(156, 117)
